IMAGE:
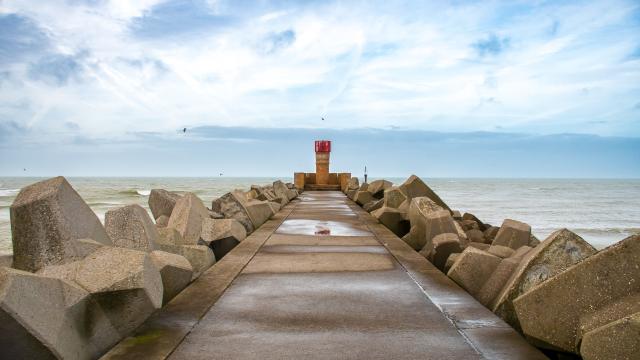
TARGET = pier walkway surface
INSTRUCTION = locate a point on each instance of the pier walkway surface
(324, 280)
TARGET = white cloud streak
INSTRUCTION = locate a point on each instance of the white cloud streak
(359, 65)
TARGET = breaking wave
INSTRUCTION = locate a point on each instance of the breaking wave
(9, 192)
(135, 192)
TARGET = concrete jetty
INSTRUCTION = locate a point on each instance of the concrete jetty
(324, 279)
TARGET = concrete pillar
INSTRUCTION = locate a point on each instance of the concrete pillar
(323, 149)
(298, 180)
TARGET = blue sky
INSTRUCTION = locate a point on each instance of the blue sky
(461, 88)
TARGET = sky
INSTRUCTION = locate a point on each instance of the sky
(438, 88)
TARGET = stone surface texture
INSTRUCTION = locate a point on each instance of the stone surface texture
(161, 202)
(187, 217)
(559, 251)
(550, 313)
(45, 218)
(131, 227)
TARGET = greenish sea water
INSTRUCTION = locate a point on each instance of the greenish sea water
(601, 211)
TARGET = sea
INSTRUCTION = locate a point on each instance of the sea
(602, 211)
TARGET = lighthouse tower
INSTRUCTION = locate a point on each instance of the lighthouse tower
(322, 179)
(323, 152)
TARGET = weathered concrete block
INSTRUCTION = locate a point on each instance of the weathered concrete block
(200, 257)
(469, 225)
(394, 198)
(161, 202)
(410, 237)
(481, 226)
(440, 247)
(222, 235)
(501, 251)
(617, 340)
(436, 223)
(475, 235)
(85, 247)
(45, 218)
(44, 317)
(373, 205)
(281, 191)
(123, 282)
(559, 251)
(393, 219)
(169, 236)
(513, 234)
(6, 260)
(275, 207)
(550, 313)
(175, 271)
(419, 208)
(609, 313)
(251, 194)
(490, 233)
(363, 197)
(351, 193)
(521, 252)
(479, 246)
(533, 241)
(450, 261)
(496, 282)
(232, 207)
(472, 269)
(414, 187)
(378, 187)
(352, 184)
(215, 215)
(187, 217)
(259, 212)
(162, 221)
(131, 227)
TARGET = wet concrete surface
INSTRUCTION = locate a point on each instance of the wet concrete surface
(323, 227)
(342, 294)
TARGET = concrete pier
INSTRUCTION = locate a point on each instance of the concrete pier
(324, 280)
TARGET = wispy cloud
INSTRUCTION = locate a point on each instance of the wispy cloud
(113, 67)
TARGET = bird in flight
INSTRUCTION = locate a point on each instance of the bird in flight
(184, 130)
(322, 119)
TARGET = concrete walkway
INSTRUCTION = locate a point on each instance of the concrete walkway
(324, 280)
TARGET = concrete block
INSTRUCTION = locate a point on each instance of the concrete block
(131, 227)
(472, 268)
(45, 218)
(550, 313)
(559, 251)
(513, 234)
(187, 217)
(161, 202)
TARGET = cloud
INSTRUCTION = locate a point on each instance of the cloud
(491, 45)
(116, 67)
(178, 18)
(20, 38)
(56, 69)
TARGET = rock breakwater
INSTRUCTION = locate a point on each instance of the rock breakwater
(73, 288)
(562, 294)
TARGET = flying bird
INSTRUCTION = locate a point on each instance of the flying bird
(322, 119)
(184, 130)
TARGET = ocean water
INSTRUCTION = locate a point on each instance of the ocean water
(601, 211)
